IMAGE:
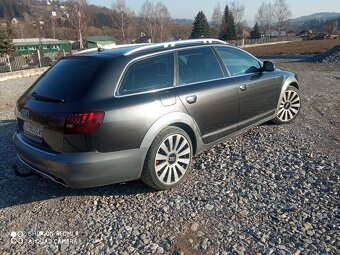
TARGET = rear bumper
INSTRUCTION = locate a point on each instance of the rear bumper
(82, 170)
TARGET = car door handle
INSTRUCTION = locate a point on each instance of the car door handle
(243, 87)
(191, 99)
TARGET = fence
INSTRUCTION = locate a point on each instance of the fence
(34, 60)
(40, 59)
(243, 42)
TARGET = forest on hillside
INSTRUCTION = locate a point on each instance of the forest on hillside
(58, 19)
(13, 9)
(53, 18)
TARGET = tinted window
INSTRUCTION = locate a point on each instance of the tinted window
(68, 79)
(198, 65)
(149, 74)
(238, 62)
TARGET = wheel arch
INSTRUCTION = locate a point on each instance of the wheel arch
(190, 132)
(294, 84)
(289, 81)
(177, 119)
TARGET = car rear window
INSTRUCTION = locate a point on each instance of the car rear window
(69, 79)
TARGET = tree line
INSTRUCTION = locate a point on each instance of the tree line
(152, 22)
(231, 25)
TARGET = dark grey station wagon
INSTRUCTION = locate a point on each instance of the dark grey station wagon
(143, 111)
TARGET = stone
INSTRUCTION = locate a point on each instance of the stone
(244, 213)
(307, 226)
(209, 207)
(159, 250)
(194, 226)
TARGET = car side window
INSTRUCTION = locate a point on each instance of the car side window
(237, 61)
(198, 65)
(148, 74)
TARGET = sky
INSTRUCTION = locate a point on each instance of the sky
(188, 9)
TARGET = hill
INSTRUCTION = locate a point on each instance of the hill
(13, 9)
(320, 16)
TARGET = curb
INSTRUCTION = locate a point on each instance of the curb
(22, 73)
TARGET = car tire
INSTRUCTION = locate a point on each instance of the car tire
(289, 107)
(168, 160)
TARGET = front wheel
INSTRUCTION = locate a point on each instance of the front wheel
(289, 107)
(168, 159)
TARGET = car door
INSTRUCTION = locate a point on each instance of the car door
(258, 90)
(144, 94)
(210, 98)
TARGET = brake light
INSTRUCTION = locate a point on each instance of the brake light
(79, 123)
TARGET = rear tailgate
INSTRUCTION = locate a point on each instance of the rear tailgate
(43, 109)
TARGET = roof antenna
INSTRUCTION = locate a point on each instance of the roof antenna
(99, 49)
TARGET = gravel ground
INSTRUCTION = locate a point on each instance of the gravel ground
(273, 190)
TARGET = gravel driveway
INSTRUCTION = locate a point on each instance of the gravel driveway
(273, 190)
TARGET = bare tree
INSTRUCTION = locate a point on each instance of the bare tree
(53, 25)
(122, 17)
(78, 17)
(237, 10)
(180, 31)
(282, 14)
(216, 20)
(148, 19)
(264, 17)
(163, 19)
(331, 26)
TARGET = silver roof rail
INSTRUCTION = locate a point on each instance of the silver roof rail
(173, 44)
(110, 47)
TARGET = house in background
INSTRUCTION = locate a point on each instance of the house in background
(274, 33)
(28, 45)
(99, 41)
(143, 39)
(291, 33)
(305, 33)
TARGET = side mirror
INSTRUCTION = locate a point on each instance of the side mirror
(268, 66)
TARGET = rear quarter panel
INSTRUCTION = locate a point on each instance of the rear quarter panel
(128, 119)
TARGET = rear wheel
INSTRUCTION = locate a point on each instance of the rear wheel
(168, 159)
(290, 106)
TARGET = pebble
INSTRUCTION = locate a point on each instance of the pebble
(194, 226)
(209, 207)
(271, 190)
(244, 213)
(160, 250)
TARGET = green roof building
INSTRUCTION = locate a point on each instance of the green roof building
(99, 41)
(28, 45)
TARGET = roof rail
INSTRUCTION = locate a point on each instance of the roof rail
(173, 44)
(108, 47)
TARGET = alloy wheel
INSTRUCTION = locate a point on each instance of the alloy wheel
(289, 106)
(172, 159)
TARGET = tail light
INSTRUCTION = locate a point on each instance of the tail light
(80, 123)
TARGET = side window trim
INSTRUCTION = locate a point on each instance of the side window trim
(176, 69)
(139, 59)
(220, 61)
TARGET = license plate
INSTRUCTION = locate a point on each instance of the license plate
(33, 129)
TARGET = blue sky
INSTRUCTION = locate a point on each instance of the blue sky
(189, 8)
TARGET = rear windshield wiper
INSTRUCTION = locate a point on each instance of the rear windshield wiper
(47, 98)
